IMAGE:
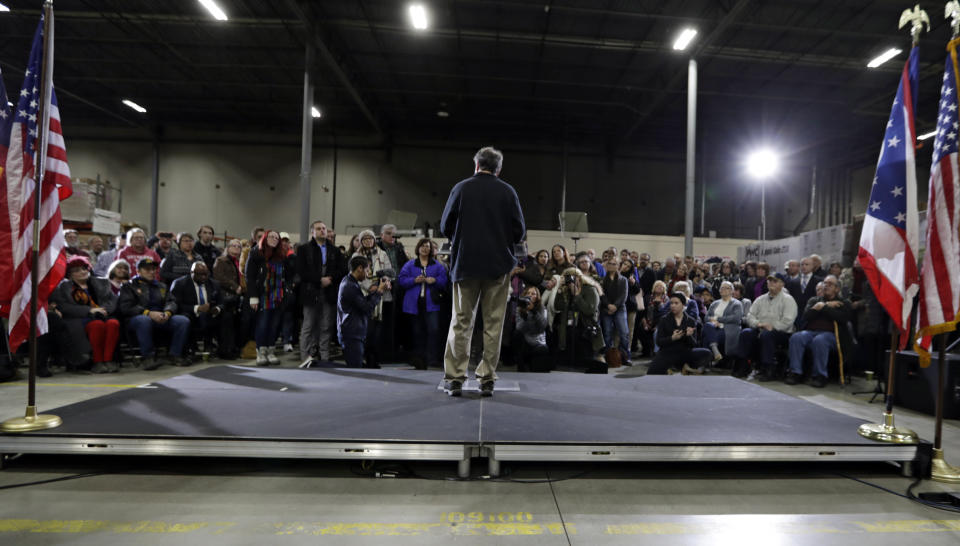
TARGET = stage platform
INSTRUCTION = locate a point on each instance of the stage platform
(394, 414)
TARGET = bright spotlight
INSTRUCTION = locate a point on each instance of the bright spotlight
(214, 9)
(684, 39)
(884, 57)
(762, 164)
(418, 16)
(4, 8)
(315, 112)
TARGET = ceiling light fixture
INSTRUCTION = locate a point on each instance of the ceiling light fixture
(135, 106)
(4, 8)
(683, 40)
(315, 112)
(443, 114)
(884, 57)
(418, 16)
(927, 135)
(214, 9)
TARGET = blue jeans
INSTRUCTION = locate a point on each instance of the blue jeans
(712, 334)
(617, 320)
(268, 326)
(820, 343)
(144, 327)
(426, 328)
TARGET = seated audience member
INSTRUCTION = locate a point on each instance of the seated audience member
(267, 277)
(137, 249)
(613, 311)
(423, 278)
(205, 246)
(378, 263)
(87, 305)
(693, 307)
(835, 269)
(530, 336)
(118, 273)
(95, 248)
(760, 283)
(825, 318)
(162, 242)
(667, 272)
(107, 257)
(148, 310)
(791, 271)
(559, 261)
(575, 303)
(819, 289)
(227, 273)
(748, 275)
(199, 299)
(354, 308)
(770, 322)
(72, 244)
(676, 338)
(722, 326)
(744, 302)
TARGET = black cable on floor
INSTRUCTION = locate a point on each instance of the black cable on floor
(53, 480)
(909, 495)
(557, 504)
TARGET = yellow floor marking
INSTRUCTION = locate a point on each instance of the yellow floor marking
(97, 385)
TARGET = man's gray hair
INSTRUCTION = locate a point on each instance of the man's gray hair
(489, 159)
(388, 227)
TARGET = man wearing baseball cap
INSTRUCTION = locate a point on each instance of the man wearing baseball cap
(145, 303)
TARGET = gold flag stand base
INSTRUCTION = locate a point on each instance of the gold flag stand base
(942, 471)
(30, 422)
(887, 432)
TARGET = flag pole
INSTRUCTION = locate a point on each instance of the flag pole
(32, 420)
(941, 470)
(887, 431)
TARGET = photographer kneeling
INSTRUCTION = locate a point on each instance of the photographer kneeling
(530, 337)
(354, 310)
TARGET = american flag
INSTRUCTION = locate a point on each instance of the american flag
(888, 243)
(22, 160)
(939, 307)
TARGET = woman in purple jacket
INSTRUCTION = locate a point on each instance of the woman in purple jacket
(424, 279)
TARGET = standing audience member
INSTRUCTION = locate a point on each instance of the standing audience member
(136, 249)
(634, 301)
(87, 305)
(770, 322)
(227, 272)
(378, 265)
(94, 248)
(179, 260)
(354, 308)
(483, 220)
(205, 246)
(163, 243)
(267, 276)
(107, 257)
(613, 312)
(805, 287)
(320, 267)
(398, 257)
(576, 304)
(148, 310)
(676, 338)
(559, 261)
(423, 278)
(825, 318)
(71, 240)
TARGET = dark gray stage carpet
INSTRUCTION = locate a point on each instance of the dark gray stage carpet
(335, 404)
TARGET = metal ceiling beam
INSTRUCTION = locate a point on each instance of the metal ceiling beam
(165, 18)
(318, 42)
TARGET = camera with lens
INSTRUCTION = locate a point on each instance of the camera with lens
(524, 301)
(569, 279)
(388, 274)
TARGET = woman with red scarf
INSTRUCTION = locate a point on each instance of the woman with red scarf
(87, 304)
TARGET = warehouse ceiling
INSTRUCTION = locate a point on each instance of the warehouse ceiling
(597, 74)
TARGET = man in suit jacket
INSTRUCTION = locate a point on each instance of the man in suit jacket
(320, 266)
(200, 299)
(804, 288)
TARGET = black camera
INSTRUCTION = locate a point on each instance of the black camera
(385, 274)
(524, 301)
(569, 279)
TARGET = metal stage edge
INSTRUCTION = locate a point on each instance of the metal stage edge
(462, 453)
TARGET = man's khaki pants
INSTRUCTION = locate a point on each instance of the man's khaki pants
(492, 295)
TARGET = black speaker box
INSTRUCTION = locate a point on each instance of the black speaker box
(916, 387)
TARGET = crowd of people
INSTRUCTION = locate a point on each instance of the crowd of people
(263, 295)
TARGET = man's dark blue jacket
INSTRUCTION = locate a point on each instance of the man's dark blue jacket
(483, 221)
(354, 309)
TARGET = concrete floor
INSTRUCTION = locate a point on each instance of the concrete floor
(145, 500)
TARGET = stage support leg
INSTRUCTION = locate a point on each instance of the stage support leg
(463, 467)
(493, 465)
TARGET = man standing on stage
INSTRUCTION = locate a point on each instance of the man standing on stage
(483, 221)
